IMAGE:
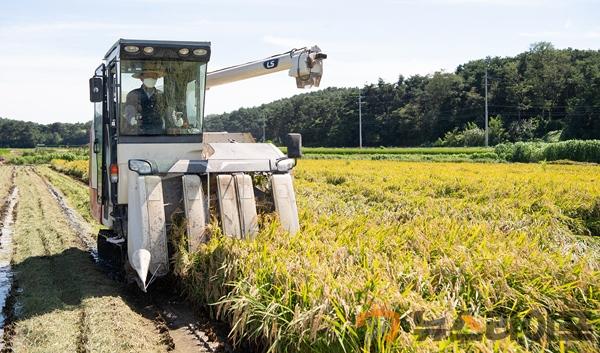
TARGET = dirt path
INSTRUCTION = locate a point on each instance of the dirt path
(63, 302)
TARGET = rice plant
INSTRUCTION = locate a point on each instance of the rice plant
(414, 257)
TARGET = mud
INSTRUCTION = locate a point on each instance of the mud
(190, 332)
(7, 218)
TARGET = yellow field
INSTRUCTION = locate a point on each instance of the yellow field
(77, 168)
(466, 244)
(386, 248)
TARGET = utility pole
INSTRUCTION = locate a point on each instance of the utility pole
(486, 105)
(264, 123)
(359, 119)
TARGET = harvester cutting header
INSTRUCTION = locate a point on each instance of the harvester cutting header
(151, 160)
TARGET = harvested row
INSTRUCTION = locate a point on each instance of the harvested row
(65, 303)
(75, 191)
(5, 182)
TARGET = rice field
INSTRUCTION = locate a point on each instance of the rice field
(416, 257)
(413, 257)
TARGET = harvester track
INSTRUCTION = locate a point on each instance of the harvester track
(181, 328)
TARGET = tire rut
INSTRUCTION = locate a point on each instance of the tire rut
(8, 216)
(82, 338)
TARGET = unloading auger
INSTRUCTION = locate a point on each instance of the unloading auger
(150, 158)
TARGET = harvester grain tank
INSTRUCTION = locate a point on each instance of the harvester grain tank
(151, 160)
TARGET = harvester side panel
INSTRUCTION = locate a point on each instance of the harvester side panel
(156, 231)
(195, 211)
(146, 234)
(285, 202)
(247, 204)
(230, 218)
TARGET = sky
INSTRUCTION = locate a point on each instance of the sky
(49, 49)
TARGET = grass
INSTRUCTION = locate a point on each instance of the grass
(481, 157)
(386, 238)
(396, 150)
(65, 303)
(392, 150)
(45, 155)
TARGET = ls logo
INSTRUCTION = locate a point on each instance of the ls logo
(271, 64)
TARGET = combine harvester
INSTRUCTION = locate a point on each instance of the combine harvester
(150, 159)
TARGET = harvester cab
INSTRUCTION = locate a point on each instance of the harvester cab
(152, 163)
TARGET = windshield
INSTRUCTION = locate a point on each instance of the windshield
(161, 97)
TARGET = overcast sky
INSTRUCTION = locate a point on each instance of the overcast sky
(49, 49)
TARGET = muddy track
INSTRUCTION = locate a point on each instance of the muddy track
(82, 339)
(8, 214)
(189, 330)
(181, 329)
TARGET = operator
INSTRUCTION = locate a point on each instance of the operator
(145, 107)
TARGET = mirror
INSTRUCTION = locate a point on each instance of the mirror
(294, 145)
(96, 90)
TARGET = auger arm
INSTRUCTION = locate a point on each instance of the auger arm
(306, 65)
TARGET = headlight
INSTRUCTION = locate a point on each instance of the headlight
(285, 165)
(184, 51)
(148, 50)
(132, 49)
(141, 167)
(200, 51)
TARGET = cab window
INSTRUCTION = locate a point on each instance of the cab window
(161, 97)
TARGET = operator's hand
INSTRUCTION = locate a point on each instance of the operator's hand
(132, 115)
(177, 118)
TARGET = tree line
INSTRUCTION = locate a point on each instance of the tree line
(26, 134)
(542, 94)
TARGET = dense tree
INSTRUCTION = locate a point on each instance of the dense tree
(21, 134)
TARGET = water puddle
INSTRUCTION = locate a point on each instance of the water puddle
(5, 256)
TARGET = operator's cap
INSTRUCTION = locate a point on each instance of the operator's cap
(137, 74)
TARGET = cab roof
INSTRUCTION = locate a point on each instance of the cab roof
(157, 43)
